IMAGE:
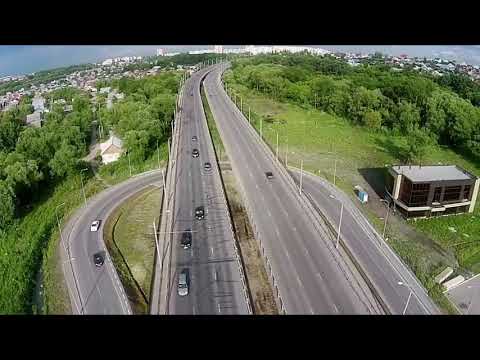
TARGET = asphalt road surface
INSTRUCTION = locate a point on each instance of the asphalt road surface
(466, 296)
(384, 269)
(215, 282)
(311, 276)
(97, 290)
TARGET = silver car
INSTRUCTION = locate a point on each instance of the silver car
(183, 283)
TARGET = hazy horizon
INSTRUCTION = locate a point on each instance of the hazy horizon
(19, 60)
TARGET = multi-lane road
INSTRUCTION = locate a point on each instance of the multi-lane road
(311, 275)
(97, 290)
(215, 276)
(390, 278)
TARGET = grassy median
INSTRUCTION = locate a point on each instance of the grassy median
(129, 236)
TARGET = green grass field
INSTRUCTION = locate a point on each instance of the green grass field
(128, 233)
(319, 140)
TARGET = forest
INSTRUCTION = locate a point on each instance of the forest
(428, 109)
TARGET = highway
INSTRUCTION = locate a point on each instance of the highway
(216, 285)
(384, 269)
(97, 290)
(312, 277)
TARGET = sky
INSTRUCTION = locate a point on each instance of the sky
(16, 60)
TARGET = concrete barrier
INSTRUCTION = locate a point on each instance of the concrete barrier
(443, 275)
(450, 284)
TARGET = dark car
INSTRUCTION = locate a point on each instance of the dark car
(195, 153)
(207, 166)
(186, 241)
(199, 213)
(194, 138)
(269, 175)
(98, 259)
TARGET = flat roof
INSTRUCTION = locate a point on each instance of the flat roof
(417, 173)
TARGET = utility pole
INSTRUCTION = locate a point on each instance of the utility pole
(386, 219)
(261, 127)
(249, 115)
(156, 241)
(241, 105)
(335, 171)
(339, 225)
(286, 155)
(83, 189)
(164, 194)
(58, 222)
(277, 146)
(301, 176)
(129, 164)
(158, 155)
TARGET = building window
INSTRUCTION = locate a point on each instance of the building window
(419, 194)
(466, 192)
(452, 193)
(437, 194)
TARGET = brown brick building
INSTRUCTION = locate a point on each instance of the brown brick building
(425, 191)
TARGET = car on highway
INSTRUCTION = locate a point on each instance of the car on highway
(207, 166)
(269, 175)
(95, 225)
(195, 153)
(98, 259)
(183, 282)
(186, 241)
(199, 213)
(194, 138)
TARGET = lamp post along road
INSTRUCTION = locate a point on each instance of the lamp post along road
(340, 220)
(277, 146)
(409, 296)
(58, 223)
(301, 176)
(129, 164)
(83, 189)
(335, 171)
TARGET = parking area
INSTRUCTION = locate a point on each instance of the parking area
(466, 296)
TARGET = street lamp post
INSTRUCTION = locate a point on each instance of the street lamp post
(409, 296)
(471, 298)
(129, 164)
(301, 176)
(58, 222)
(387, 204)
(335, 171)
(158, 155)
(277, 145)
(83, 189)
(340, 221)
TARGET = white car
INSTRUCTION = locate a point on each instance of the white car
(95, 225)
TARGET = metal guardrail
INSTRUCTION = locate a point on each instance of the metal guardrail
(258, 236)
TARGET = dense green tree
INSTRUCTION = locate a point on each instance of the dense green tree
(7, 205)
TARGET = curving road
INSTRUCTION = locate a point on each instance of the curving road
(97, 290)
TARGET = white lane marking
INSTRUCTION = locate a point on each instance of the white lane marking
(219, 310)
(211, 250)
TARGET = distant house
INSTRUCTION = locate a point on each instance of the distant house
(34, 119)
(38, 103)
(111, 149)
(68, 108)
(105, 90)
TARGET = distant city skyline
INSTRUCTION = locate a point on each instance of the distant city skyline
(20, 60)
